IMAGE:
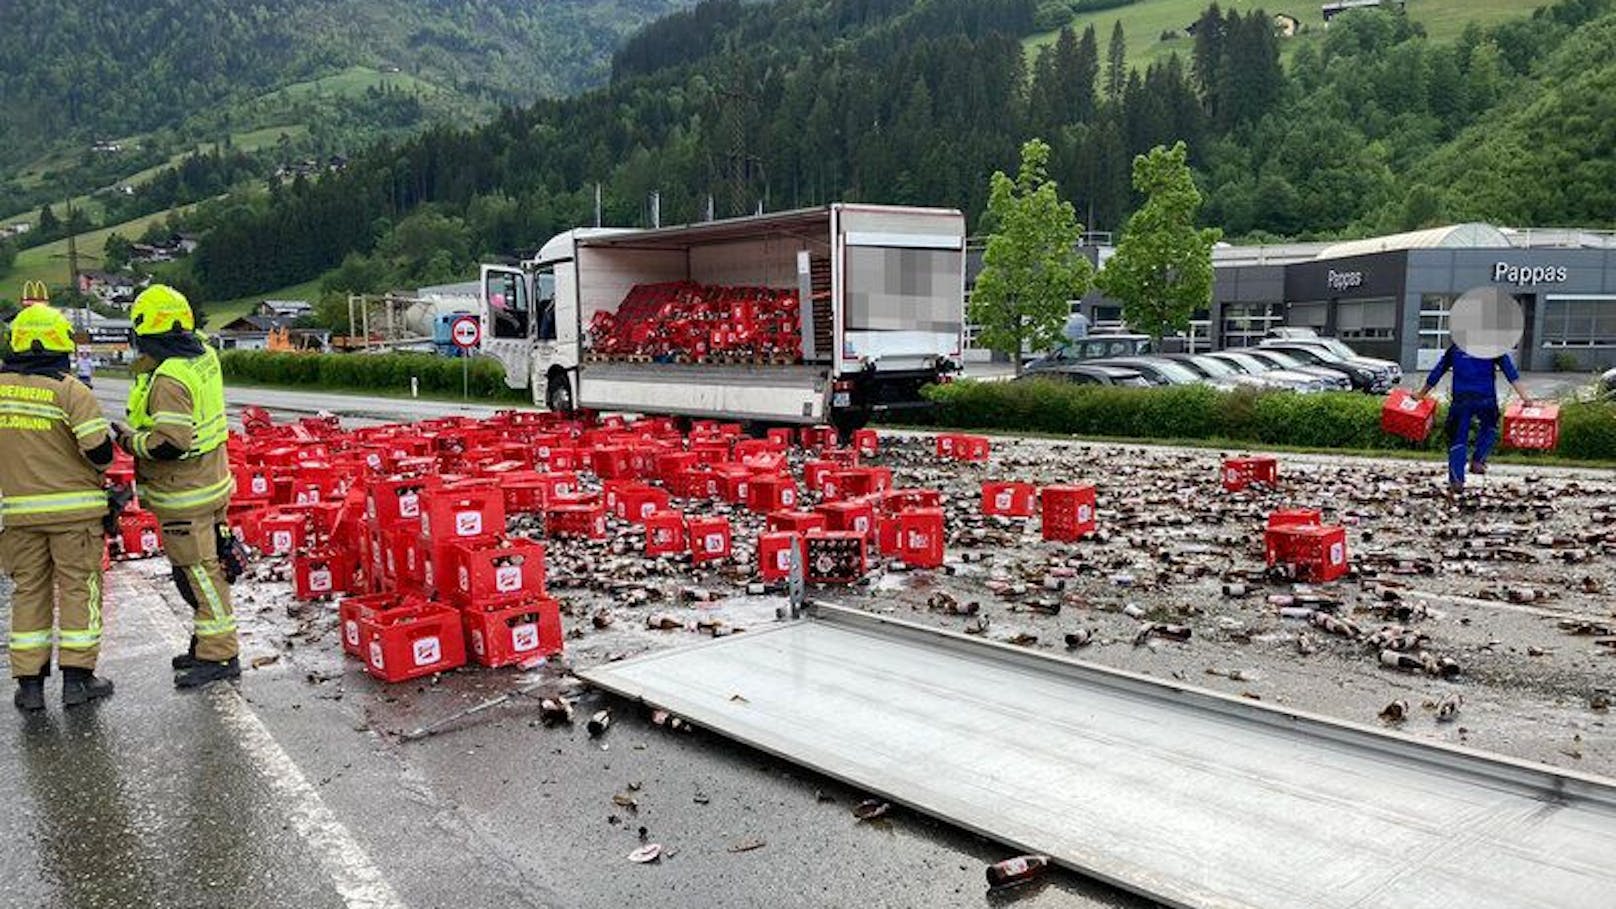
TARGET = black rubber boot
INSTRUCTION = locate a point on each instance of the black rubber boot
(202, 672)
(80, 686)
(30, 696)
(187, 659)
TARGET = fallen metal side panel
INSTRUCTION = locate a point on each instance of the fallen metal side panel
(1187, 797)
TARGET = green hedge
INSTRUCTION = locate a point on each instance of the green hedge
(369, 372)
(1334, 420)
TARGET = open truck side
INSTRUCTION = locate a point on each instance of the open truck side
(879, 294)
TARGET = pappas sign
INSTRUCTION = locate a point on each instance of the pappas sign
(1343, 280)
(1527, 275)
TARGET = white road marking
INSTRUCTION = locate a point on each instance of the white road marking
(357, 880)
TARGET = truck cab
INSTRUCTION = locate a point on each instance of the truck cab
(879, 312)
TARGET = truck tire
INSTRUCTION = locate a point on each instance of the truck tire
(846, 422)
(559, 397)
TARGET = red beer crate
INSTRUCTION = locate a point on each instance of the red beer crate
(772, 492)
(579, 521)
(495, 572)
(664, 534)
(1011, 499)
(1274, 538)
(670, 464)
(858, 481)
(324, 516)
(1238, 473)
(525, 491)
(321, 574)
(710, 451)
(637, 502)
(781, 436)
(886, 533)
(1407, 416)
(460, 513)
(397, 500)
(696, 483)
(818, 437)
(774, 554)
(283, 533)
(734, 482)
(563, 458)
(896, 500)
(972, 448)
(849, 516)
(751, 448)
(356, 609)
(796, 521)
(1068, 512)
(920, 537)
(834, 557)
(137, 534)
(814, 473)
(1315, 554)
(709, 538)
(1535, 427)
(413, 641)
(611, 462)
(866, 442)
(254, 482)
(514, 633)
(404, 560)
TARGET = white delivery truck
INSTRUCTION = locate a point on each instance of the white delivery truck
(879, 292)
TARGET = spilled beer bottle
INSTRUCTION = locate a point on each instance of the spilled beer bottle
(1018, 870)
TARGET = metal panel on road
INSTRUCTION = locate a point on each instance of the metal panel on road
(1187, 796)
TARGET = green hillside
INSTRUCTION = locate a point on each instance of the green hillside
(1145, 21)
(49, 263)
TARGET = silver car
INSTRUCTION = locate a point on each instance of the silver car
(1227, 375)
(1286, 378)
(1333, 379)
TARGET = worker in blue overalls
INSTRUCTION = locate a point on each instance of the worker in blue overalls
(1475, 397)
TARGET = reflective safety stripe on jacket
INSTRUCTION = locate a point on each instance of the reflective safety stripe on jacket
(204, 381)
(188, 498)
(54, 503)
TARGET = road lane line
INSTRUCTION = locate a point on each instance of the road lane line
(356, 879)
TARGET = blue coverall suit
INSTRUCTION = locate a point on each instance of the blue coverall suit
(1475, 396)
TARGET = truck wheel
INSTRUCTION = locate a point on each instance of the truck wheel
(846, 422)
(559, 398)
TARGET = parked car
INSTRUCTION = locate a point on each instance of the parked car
(1334, 380)
(1291, 332)
(1158, 370)
(1225, 372)
(1252, 366)
(1090, 374)
(1093, 347)
(1367, 373)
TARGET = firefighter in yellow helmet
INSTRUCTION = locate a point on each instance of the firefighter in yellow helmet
(54, 445)
(176, 432)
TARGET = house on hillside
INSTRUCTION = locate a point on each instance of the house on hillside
(291, 310)
(260, 332)
(1286, 25)
(150, 253)
(110, 288)
(1337, 7)
(15, 230)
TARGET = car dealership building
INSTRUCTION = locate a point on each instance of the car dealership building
(1389, 296)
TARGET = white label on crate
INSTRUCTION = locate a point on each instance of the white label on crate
(1338, 553)
(374, 460)
(370, 506)
(468, 523)
(524, 637)
(409, 505)
(714, 542)
(508, 578)
(148, 541)
(426, 573)
(1084, 513)
(305, 497)
(427, 651)
(260, 484)
(281, 541)
(600, 525)
(1233, 475)
(830, 489)
(320, 580)
(782, 560)
(544, 452)
(350, 631)
(1002, 500)
(477, 642)
(919, 540)
(563, 488)
(861, 524)
(465, 579)
(376, 654)
(1409, 404)
(391, 568)
(947, 445)
(647, 509)
(1531, 412)
(788, 496)
(743, 490)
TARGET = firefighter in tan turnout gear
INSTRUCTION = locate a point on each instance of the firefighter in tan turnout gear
(176, 432)
(54, 444)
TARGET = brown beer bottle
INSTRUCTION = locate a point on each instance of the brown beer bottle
(1017, 870)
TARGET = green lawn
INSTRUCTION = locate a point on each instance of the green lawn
(352, 81)
(1143, 21)
(48, 263)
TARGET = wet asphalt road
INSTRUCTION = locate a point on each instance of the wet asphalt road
(295, 790)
